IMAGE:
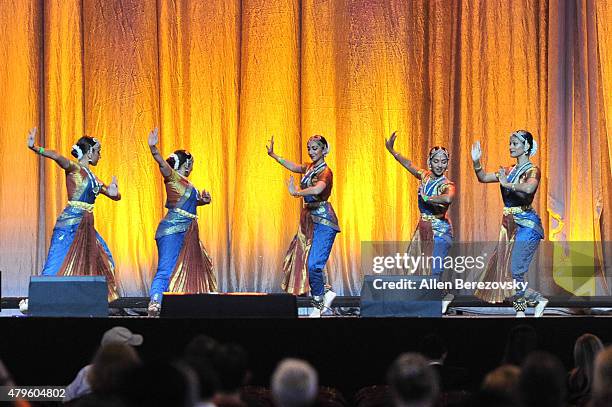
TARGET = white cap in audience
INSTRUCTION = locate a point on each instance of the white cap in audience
(122, 335)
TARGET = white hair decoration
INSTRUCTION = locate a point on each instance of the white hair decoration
(78, 151)
(534, 148)
(176, 161)
(519, 134)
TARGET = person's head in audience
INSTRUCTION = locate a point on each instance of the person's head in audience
(522, 340)
(433, 348)
(121, 335)
(294, 384)
(160, 384)
(542, 382)
(201, 346)
(110, 366)
(230, 363)
(602, 379)
(198, 356)
(504, 380)
(586, 349)
(413, 381)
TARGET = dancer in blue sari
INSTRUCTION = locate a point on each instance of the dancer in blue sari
(310, 248)
(184, 265)
(521, 229)
(76, 247)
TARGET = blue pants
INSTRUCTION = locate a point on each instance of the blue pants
(61, 240)
(168, 249)
(442, 245)
(322, 242)
(526, 241)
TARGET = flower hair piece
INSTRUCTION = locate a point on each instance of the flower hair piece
(176, 161)
(78, 151)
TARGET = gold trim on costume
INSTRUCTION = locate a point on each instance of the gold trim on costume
(325, 222)
(81, 205)
(431, 218)
(184, 213)
(313, 205)
(513, 210)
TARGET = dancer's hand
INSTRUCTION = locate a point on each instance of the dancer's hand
(113, 189)
(31, 138)
(502, 177)
(476, 151)
(391, 142)
(270, 148)
(153, 137)
(291, 185)
(205, 197)
(420, 190)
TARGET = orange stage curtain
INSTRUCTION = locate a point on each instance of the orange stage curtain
(219, 78)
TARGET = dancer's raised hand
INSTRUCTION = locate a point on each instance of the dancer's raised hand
(391, 142)
(31, 138)
(153, 137)
(476, 151)
(270, 147)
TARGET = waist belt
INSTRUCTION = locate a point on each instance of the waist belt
(81, 205)
(431, 218)
(314, 205)
(184, 213)
(513, 210)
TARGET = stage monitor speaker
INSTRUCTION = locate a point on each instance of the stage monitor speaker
(73, 296)
(399, 296)
(229, 305)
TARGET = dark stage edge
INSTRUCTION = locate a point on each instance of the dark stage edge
(349, 353)
(350, 304)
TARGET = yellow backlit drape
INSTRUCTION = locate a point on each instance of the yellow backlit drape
(220, 77)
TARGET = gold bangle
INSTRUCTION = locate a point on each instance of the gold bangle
(478, 168)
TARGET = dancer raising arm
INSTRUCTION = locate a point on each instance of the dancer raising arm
(310, 249)
(76, 248)
(183, 265)
(521, 228)
(433, 236)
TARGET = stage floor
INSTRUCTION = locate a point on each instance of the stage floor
(349, 306)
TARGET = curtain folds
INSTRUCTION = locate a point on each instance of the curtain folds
(219, 78)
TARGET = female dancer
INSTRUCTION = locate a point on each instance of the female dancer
(76, 248)
(433, 236)
(521, 229)
(184, 265)
(312, 244)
